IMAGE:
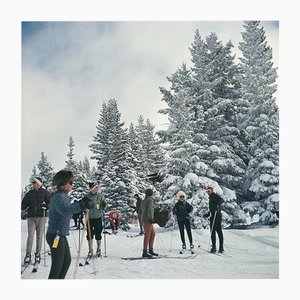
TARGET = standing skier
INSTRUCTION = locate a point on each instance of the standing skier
(36, 201)
(60, 214)
(147, 217)
(138, 211)
(182, 211)
(215, 216)
(94, 220)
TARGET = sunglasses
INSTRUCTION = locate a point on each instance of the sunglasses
(181, 196)
(33, 182)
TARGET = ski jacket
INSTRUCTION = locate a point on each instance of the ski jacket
(33, 200)
(215, 202)
(182, 210)
(61, 212)
(147, 209)
(98, 205)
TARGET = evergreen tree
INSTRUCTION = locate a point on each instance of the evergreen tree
(45, 171)
(80, 186)
(110, 149)
(152, 154)
(262, 122)
(136, 159)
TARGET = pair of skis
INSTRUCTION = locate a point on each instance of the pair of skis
(25, 266)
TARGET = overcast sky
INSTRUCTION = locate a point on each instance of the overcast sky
(70, 68)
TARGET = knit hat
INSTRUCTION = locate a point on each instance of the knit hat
(92, 185)
(149, 192)
(37, 180)
(181, 195)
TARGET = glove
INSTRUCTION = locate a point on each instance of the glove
(151, 221)
(44, 205)
(85, 203)
(103, 204)
(206, 215)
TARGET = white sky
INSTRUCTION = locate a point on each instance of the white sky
(70, 68)
(14, 11)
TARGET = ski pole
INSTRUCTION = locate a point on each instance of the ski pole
(211, 229)
(44, 219)
(172, 234)
(80, 243)
(104, 233)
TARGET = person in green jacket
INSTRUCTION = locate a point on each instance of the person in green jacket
(94, 218)
(147, 217)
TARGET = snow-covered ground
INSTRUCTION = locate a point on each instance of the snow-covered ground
(251, 254)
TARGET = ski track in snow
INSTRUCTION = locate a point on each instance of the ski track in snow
(252, 254)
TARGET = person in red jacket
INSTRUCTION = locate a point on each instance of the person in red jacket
(114, 219)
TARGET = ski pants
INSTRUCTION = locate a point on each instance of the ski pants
(185, 223)
(215, 226)
(35, 224)
(60, 257)
(94, 228)
(148, 236)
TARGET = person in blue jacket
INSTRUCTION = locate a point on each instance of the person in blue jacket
(60, 214)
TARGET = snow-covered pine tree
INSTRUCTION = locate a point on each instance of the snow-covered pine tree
(80, 186)
(258, 85)
(136, 160)
(110, 150)
(45, 171)
(216, 89)
(183, 170)
(153, 156)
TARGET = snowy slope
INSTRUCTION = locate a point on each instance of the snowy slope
(252, 254)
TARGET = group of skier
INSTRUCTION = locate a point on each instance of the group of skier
(60, 210)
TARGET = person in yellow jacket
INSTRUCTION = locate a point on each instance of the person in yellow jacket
(94, 222)
(147, 217)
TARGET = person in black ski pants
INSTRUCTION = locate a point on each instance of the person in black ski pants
(60, 214)
(215, 216)
(182, 211)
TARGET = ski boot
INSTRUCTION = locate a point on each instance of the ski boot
(152, 253)
(146, 254)
(213, 249)
(183, 248)
(27, 259)
(98, 251)
(221, 250)
(192, 248)
(37, 258)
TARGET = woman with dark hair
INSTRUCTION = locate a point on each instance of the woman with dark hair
(60, 213)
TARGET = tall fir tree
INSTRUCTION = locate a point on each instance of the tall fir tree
(80, 186)
(258, 85)
(45, 171)
(110, 150)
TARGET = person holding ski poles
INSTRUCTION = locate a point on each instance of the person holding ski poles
(94, 218)
(147, 217)
(60, 214)
(182, 210)
(215, 216)
(36, 201)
